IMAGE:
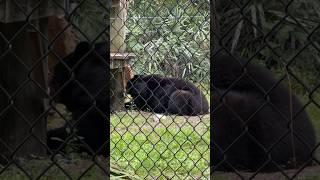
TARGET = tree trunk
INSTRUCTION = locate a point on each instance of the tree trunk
(23, 88)
(63, 39)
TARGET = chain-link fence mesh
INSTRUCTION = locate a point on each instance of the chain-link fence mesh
(265, 89)
(56, 84)
(163, 133)
(53, 89)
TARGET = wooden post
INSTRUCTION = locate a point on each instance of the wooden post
(119, 79)
(65, 40)
(22, 125)
(119, 58)
(117, 32)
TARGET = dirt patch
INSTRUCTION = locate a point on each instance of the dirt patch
(146, 122)
(308, 173)
(57, 168)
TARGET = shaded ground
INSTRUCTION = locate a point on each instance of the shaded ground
(61, 168)
(308, 173)
(136, 122)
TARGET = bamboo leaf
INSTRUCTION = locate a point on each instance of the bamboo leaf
(236, 35)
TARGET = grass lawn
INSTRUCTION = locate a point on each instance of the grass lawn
(177, 147)
(169, 147)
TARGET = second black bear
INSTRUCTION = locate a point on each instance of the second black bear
(258, 124)
(80, 83)
(167, 95)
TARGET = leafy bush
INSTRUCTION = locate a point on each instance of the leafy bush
(170, 38)
(276, 33)
(89, 19)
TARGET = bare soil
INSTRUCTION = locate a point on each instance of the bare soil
(308, 173)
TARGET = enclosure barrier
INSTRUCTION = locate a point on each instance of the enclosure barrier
(155, 138)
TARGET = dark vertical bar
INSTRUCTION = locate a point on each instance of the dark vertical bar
(214, 48)
(212, 2)
(107, 19)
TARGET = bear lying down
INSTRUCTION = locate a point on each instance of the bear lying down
(166, 95)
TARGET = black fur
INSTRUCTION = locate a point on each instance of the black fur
(251, 119)
(167, 95)
(80, 83)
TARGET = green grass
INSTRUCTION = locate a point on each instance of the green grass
(314, 114)
(148, 147)
(174, 147)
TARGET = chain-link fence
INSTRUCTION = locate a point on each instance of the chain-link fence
(53, 89)
(265, 89)
(76, 72)
(164, 131)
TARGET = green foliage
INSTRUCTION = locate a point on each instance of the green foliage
(88, 19)
(170, 38)
(282, 34)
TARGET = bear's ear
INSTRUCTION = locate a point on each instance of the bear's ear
(137, 76)
(101, 48)
(81, 49)
(234, 99)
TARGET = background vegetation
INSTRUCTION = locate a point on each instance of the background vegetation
(283, 35)
(170, 38)
(89, 19)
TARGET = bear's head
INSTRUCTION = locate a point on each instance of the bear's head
(62, 83)
(136, 86)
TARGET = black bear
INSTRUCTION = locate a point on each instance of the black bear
(257, 123)
(80, 83)
(167, 95)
